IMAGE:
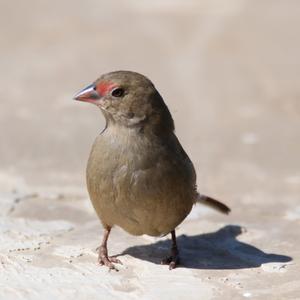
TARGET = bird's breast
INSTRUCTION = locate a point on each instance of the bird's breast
(136, 183)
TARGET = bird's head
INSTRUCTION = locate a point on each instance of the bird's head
(128, 99)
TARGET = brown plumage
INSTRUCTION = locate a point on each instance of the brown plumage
(138, 175)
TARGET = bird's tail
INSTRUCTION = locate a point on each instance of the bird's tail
(213, 203)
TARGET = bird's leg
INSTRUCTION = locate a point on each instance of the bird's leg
(172, 260)
(103, 257)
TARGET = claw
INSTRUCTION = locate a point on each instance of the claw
(108, 262)
(173, 261)
(115, 260)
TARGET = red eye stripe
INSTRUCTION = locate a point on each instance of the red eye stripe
(105, 87)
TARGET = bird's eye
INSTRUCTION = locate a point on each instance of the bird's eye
(117, 92)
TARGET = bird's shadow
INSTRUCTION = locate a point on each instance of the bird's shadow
(216, 250)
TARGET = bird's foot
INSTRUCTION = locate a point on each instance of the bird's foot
(108, 261)
(173, 261)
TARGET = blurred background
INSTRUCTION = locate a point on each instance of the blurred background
(228, 70)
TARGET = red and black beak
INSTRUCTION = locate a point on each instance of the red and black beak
(88, 94)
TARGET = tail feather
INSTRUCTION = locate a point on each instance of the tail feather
(213, 203)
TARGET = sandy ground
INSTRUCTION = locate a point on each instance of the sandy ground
(229, 72)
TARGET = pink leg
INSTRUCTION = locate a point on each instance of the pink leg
(103, 257)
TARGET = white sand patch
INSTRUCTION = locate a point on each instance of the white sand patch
(11, 183)
(247, 294)
(73, 251)
(23, 234)
(293, 214)
(275, 267)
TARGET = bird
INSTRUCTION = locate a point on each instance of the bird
(138, 175)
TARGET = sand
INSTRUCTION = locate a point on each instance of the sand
(229, 73)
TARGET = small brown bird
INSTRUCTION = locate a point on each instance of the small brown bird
(138, 175)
